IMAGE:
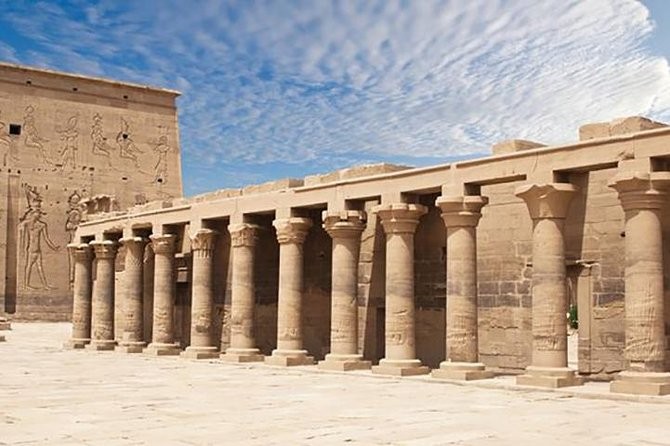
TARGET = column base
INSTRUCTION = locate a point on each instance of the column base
(641, 383)
(344, 363)
(242, 355)
(462, 371)
(76, 343)
(551, 377)
(100, 346)
(289, 358)
(2, 338)
(130, 347)
(200, 353)
(400, 367)
(157, 349)
(5, 325)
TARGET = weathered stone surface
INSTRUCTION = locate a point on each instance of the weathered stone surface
(353, 172)
(620, 126)
(514, 145)
(272, 186)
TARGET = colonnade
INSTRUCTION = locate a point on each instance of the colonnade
(641, 195)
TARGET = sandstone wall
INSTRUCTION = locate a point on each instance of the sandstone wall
(65, 139)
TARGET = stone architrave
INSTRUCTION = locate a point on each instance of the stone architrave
(548, 206)
(461, 215)
(202, 301)
(345, 229)
(102, 310)
(243, 348)
(82, 256)
(291, 233)
(400, 221)
(642, 196)
(132, 340)
(163, 330)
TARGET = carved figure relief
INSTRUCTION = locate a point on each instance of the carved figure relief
(69, 135)
(161, 167)
(32, 231)
(127, 147)
(75, 214)
(6, 145)
(33, 138)
(100, 145)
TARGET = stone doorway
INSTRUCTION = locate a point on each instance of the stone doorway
(580, 293)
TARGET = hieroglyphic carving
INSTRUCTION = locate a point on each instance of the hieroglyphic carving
(6, 145)
(75, 214)
(33, 138)
(69, 134)
(32, 230)
(161, 167)
(100, 146)
(127, 147)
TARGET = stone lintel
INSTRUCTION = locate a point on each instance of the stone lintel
(292, 230)
(399, 218)
(548, 200)
(461, 210)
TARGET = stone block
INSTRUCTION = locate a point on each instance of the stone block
(550, 377)
(400, 371)
(101, 346)
(594, 130)
(344, 366)
(514, 145)
(271, 186)
(364, 170)
(200, 353)
(162, 350)
(76, 344)
(641, 383)
(289, 361)
(241, 358)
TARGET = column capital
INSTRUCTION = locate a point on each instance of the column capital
(462, 210)
(641, 190)
(343, 224)
(292, 230)
(399, 218)
(243, 234)
(547, 200)
(203, 239)
(129, 242)
(163, 243)
(104, 249)
(80, 251)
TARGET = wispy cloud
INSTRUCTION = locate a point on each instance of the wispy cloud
(319, 85)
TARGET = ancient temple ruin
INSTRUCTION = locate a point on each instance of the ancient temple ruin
(467, 268)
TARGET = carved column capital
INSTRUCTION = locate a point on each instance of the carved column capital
(344, 224)
(548, 200)
(243, 234)
(641, 190)
(134, 249)
(460, 211)
(400, 218)
(105, 249)
(80, 252)
(203, 241)
(292, 230)
(163, 243)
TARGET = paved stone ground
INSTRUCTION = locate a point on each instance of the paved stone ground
(53, 397)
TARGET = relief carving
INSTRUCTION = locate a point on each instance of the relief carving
(100, 146)
(75, 214)
(161, 167)
(6, 145)
(33, 138)
(68, 135)
(127, 147)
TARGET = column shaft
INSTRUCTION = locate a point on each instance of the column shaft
(132, 340)
(163, 333)
(345, 229)
(642, 197)
(291, 233)
(400, 222)
(461, 216)
(102, 314)
(202, 296)
(242, 337)
(548, 206)
(81, 255)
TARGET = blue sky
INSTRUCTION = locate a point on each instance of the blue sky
(288, 88)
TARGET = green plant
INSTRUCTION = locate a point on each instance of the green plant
(573, 320)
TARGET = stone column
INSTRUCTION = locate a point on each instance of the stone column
(548, 206)
(82, 256)
(642, 196)
(242, 348)
(163, 338)
(132, 340)
(202, 296)
(345, 229)
(461, 216)
(102, 313)
(291, 233)
(400, 221)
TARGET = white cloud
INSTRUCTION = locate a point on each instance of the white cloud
(312, 81)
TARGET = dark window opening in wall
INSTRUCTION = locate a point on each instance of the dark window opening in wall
(14, 129)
